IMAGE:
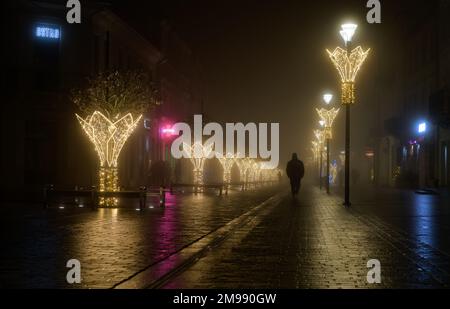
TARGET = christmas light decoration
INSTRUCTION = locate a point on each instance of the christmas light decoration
(227, 163)
(108, 137)
(243, 165)
(320, 136)
(315, 149)
(327, 116)
(198, 154)
(348, 64)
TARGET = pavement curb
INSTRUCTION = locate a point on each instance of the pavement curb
(160, 272)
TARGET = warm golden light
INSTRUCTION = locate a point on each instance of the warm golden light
(227, 163)
(348, 66)
(198, 154)
(328, 116)
(108, 137)
(320, 136)
(316, 150)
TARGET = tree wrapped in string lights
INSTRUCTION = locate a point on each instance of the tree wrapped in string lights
(227, 163)
(113, 104)
(243, 165)
(198, 153)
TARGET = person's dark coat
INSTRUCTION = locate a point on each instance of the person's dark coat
(295, 169)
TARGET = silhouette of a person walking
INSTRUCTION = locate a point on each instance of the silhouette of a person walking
(295, 170)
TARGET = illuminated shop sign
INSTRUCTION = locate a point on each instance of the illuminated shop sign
(47, 32)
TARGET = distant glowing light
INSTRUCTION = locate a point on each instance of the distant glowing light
(370, 154)
(422, 128)
(328, 116)
(48, 32)
(227, 163)
(168, 131)
(327, 98)
(321, 123)
(198, 154)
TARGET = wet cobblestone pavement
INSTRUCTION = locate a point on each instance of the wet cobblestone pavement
(259, 239)
(314, 242)
(111, 244)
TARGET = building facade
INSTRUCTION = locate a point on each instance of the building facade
(46, 59)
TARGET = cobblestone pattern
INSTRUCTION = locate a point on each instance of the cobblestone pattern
(111, 244)
(316, 243)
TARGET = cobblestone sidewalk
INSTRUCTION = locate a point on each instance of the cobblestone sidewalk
(314, 242)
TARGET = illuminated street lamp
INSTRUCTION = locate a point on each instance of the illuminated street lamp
(327, 98)
(348, 62)
(327, 117)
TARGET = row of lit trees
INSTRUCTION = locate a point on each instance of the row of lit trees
(113, 104)
(250, 170)
(348, 62)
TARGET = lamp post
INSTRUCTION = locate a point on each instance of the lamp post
(327, 118)
(315, 150)
(320, 141)
(348, 62)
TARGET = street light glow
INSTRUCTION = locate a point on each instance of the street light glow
(327, 98)
(347, 32)
(422, 128)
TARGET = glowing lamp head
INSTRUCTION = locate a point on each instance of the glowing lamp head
(327, 98)
(347, 32)
(422, 128)
(322, 123)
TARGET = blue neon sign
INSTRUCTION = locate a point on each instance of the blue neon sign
(47, 32)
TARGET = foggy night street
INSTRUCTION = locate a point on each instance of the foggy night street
(312, 242)
(238, 152)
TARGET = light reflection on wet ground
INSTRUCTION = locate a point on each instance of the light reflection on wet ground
(316, 243)
(111, 244)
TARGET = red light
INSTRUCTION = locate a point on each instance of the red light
(168, 131)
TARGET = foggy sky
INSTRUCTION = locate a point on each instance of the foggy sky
(265, 61)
